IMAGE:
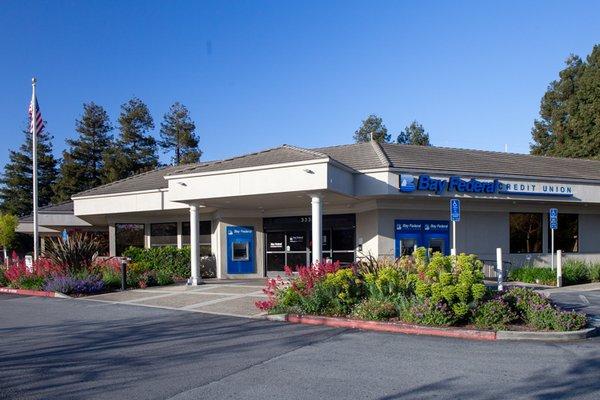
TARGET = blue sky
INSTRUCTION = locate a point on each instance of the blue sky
(257, 74)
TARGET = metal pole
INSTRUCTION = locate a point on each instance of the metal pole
(454, 237)
(499, 271)
(559, 268)
(123, 275)
(552, 248)
(35, 179)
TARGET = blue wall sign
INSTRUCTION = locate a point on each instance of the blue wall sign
(240, 250)
(454, 210)
(554, 218)
(455, 184)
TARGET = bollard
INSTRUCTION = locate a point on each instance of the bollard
(559, 268)
(499, 271)
(123, 275)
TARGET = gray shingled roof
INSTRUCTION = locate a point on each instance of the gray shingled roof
(65, 207)
(145, 181)
(489, 162)
(277, 155)
(369, 155)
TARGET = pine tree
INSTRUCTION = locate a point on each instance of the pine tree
(568, 125)
(83, 165)
(135, 150)
(177, 134)
(372, 127)
(17, 181)
(414, 134)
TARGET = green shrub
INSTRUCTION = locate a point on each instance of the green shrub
(569, 321)
(386, 282)
(375, 310)
(110, 277)
(522, 299)
(29, 282)
(594, 272)
(336, 294)
(426, 312)
(494, 314)
(163, 277)
(575, 272)
(76, 253)
(541, 275)
(541, 317)
(3, 280)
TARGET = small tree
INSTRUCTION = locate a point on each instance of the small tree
(414, 134)
(372, 128)
(8, 227)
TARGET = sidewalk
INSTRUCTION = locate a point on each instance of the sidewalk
(224, 297)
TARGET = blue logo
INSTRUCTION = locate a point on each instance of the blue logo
(407, 183)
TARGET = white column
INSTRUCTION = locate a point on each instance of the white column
(112, 240)
(194, 247)
(559, 280)
(317, 228)
(499, 269)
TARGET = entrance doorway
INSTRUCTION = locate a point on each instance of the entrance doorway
(289, 240)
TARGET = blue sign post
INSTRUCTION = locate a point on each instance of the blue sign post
(454, 217)
(553, 226)
(64, 235)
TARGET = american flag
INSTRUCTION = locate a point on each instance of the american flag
(39, 122)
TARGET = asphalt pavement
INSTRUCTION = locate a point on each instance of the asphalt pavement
(73, 349)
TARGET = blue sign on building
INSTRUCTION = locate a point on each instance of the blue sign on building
(456, 184)
(554, 218)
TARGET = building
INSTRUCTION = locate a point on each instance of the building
(259, 212)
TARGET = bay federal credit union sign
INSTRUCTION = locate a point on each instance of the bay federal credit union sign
(459, 185)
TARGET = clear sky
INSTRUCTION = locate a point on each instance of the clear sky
(257, 74)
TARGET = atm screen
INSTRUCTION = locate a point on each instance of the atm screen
(240, 252)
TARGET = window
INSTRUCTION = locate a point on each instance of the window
(205, 232)
(163, 234)
(128, 235)
(566, 237)
(526, 232)
(240, 252)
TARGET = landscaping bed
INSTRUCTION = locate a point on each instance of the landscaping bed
(72, 267)
(574, 272)
(437, 291)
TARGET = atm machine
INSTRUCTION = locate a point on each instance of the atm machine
(240, 250)
(433, 235)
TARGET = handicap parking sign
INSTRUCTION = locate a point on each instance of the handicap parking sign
(455, 210)
(554, 218)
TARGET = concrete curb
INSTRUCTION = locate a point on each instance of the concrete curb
(460, 333)
(38, 293)
(390, 327)
(548, 336)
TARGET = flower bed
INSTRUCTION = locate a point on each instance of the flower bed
(436, 291)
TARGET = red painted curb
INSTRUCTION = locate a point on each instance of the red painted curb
(25, 292)
(392, 327)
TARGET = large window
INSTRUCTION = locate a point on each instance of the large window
(526, 233)
(205, 232)
(163, 234)
(128, 235)
(566, 237)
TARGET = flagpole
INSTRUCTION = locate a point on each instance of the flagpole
(35, 179)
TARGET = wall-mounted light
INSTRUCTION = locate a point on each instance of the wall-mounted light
(182, 183)
(309, 171)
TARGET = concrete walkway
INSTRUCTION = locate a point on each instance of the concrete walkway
(224, 297)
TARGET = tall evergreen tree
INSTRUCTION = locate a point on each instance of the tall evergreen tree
(569, 123)
(17, 180)
(83, 165)
(372, 127)
(414, 134)
(135, 150)
(177, 135)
